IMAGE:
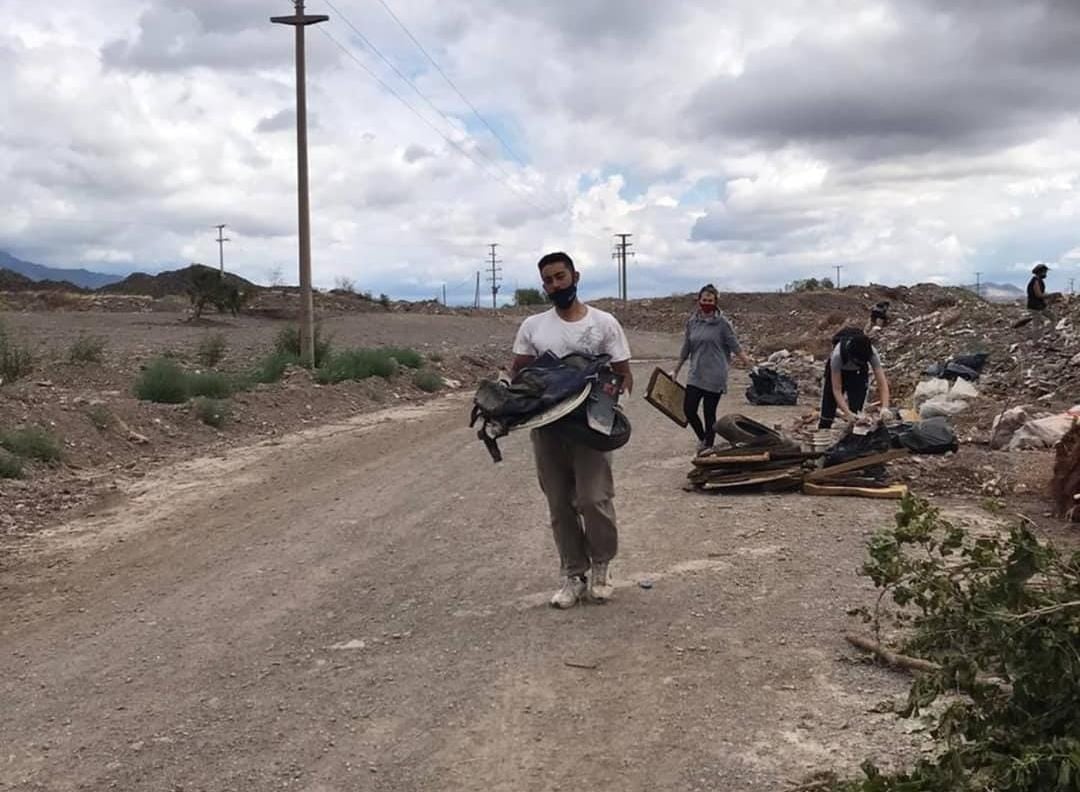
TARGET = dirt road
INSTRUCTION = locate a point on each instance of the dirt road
(363, 607)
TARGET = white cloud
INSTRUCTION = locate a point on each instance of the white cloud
(743, 143)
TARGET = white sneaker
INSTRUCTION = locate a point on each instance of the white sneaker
(600, 588)
(572, 590)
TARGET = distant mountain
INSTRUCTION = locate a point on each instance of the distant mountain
(11, 281)
(174, 282)
(80, 277)
(999, 292)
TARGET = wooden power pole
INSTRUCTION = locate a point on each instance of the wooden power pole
(299, 20)
(494, 276)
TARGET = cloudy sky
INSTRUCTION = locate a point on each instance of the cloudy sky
(740, 142)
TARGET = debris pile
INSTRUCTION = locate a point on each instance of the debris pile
(1065, 485)
(757, 458)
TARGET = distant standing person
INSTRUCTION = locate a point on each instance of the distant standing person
(847, 377)
(1036, 290)
(576, 478)
(710, 345)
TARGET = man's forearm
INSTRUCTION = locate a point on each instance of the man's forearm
(623, 370)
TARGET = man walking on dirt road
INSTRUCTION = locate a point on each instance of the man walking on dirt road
(576, 479)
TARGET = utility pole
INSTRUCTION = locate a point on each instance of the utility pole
(221, 240)
(978, 284)
(838, 267)
(476, 302)
(300, 21)
(1072, 286)
(621, 251)
(494, 276)
(444, 294)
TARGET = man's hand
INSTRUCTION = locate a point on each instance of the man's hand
(623, 369)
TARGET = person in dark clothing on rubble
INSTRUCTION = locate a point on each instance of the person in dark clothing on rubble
(1037, 298)
(710, 345)
(576, 479)
(847, 378)
(879, 314)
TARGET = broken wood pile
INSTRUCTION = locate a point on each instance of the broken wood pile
(761, 459)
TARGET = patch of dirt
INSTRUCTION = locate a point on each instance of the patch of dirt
(110, 437)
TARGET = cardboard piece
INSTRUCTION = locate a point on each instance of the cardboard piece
(667, 395)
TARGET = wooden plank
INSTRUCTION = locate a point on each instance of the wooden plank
(857, 464)
(894, 492)
(721, 461)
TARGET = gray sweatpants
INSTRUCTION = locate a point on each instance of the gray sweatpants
(580, 490)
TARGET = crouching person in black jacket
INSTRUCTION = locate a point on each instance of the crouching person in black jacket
(576, 479)
(847, 377)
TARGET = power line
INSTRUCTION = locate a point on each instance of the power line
(450, 82)
(352, 56)
(368, 43)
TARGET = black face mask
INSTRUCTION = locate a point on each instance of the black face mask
(564, 298)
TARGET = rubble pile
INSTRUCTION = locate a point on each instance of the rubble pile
(1036, 363)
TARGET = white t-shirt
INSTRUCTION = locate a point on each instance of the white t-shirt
(597, 333)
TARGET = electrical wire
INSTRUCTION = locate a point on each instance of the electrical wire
(445, 76)
(510, 187)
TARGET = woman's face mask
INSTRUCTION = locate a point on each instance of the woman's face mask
(707, 306)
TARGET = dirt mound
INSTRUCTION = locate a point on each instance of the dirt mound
(173, 283)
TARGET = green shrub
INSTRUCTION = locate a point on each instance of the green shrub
(998, 617)
(10, 465)
(87, 349)
(288, 341)
(212, 412)
(212, 384)
(384, 300)
(33, 442)
(357, 364)
(211, 350)
(15, 360)
(409, 358)
(435, 357)
(428, 381)
(529, 297)
(99, 416)
(162, 381)
(272, 367)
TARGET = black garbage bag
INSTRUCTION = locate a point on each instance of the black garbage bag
(770, 387)
(932, 436)
(954, 370)
(974, 362)
(852, 446)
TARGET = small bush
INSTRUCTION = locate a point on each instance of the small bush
(529, 297)
(428, 381)
(384, 300)
(409, 358)
(345, 284)
(435, 357)
(15, 360)
(10, 465)
(162, 381)
(99, 416)
(33, 442)
(211, 384)
(87, 349)
(358, 364)
(272, 367)
(211, 350)
(288, 340)
(212, 412)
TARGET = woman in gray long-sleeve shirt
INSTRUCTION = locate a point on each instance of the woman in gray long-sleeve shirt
(709, 345)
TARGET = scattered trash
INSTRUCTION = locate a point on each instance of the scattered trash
(645, 583)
